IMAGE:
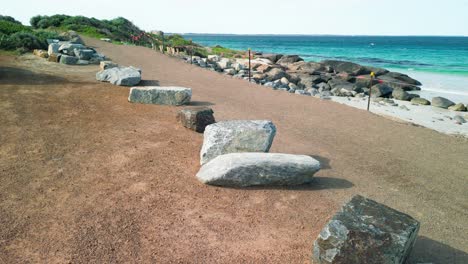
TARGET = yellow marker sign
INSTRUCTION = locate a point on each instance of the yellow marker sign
(372, 74)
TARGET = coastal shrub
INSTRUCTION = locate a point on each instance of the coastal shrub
(25, 40)
(8, 27)
(177, 40)
(225, 52)
(9, 19)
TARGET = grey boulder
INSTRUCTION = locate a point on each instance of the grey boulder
(124, 76)
(69, 48)
(346, 67)
(236, 136)
(70, 60)
(442, 102)
(287, 59)
(381, 90)
(400, 94)
(84, 54)
(252, 169)
(160, 95)
(53, 48)
(365, 231)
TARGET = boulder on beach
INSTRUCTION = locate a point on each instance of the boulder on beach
(288, 59)
(253, 169)
(124, 76)
(401, 94)
(459, 119)
(442, 102)
(381, 90)
(351, 68)
(403, 78)
(458, 107)
(196, 118)
(236, 136)
(397, 83)
(420, 101)
(276, 74)
(376, 71)
(70, 60)
(365, 231)
(272, 57)
(160, 95)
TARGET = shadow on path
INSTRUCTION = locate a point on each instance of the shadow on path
(427, 250)
(17, 76)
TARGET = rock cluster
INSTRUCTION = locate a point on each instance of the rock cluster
(323, 79)
(364, 231)
(72, 52)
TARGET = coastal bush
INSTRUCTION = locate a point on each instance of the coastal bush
(25, 40)
(8, 27)
(225, 52)
(9, 19)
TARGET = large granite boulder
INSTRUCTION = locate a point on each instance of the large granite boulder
(160, 95)
(381, 90)
(396, 83)
(70, 60)
(288, 59)
(69, 48)
(236, 136)
(376, 71)
(346, 67)
(124, 76)
(442, 102)
(276, 74)
(364, 231)
(272, 57)
(308, 81)
(250, 169)
(401, 94)
(84, 54)
(196, 118)
(403, 78)
(53, 48)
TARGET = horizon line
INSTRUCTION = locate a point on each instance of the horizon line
(325, 35)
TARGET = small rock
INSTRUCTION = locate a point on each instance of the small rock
(196, 118)
(54, 57)
(400, 94)
(458, 107)
(104, 65)
(459, 119)
(420, 101)
(53, 48)
(403, 107)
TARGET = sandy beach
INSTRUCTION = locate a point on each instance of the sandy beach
(88, 177)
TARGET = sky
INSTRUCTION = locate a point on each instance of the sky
(334, 17)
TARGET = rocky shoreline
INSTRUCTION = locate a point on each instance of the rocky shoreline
(329, 79)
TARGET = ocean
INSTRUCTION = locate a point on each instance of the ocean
(440, 63)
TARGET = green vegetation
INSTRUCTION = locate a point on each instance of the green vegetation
(225, 52)
(119, 29)
(14, 35)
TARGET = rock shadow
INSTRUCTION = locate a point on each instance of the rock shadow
(18, 76)
(199, 103)
(149, 83)
(318, 183)
(427, 250)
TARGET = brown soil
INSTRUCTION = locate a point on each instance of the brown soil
(87, 177)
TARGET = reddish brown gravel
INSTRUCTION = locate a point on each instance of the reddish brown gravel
(87, 177)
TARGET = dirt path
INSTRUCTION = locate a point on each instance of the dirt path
(88, 177)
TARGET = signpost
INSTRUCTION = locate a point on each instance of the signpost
(372, 76)
(250, 66)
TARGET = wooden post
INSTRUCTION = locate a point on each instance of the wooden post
(191, 52)
(250, 66)
(372, 75)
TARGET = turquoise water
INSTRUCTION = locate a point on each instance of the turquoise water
(441, 63)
